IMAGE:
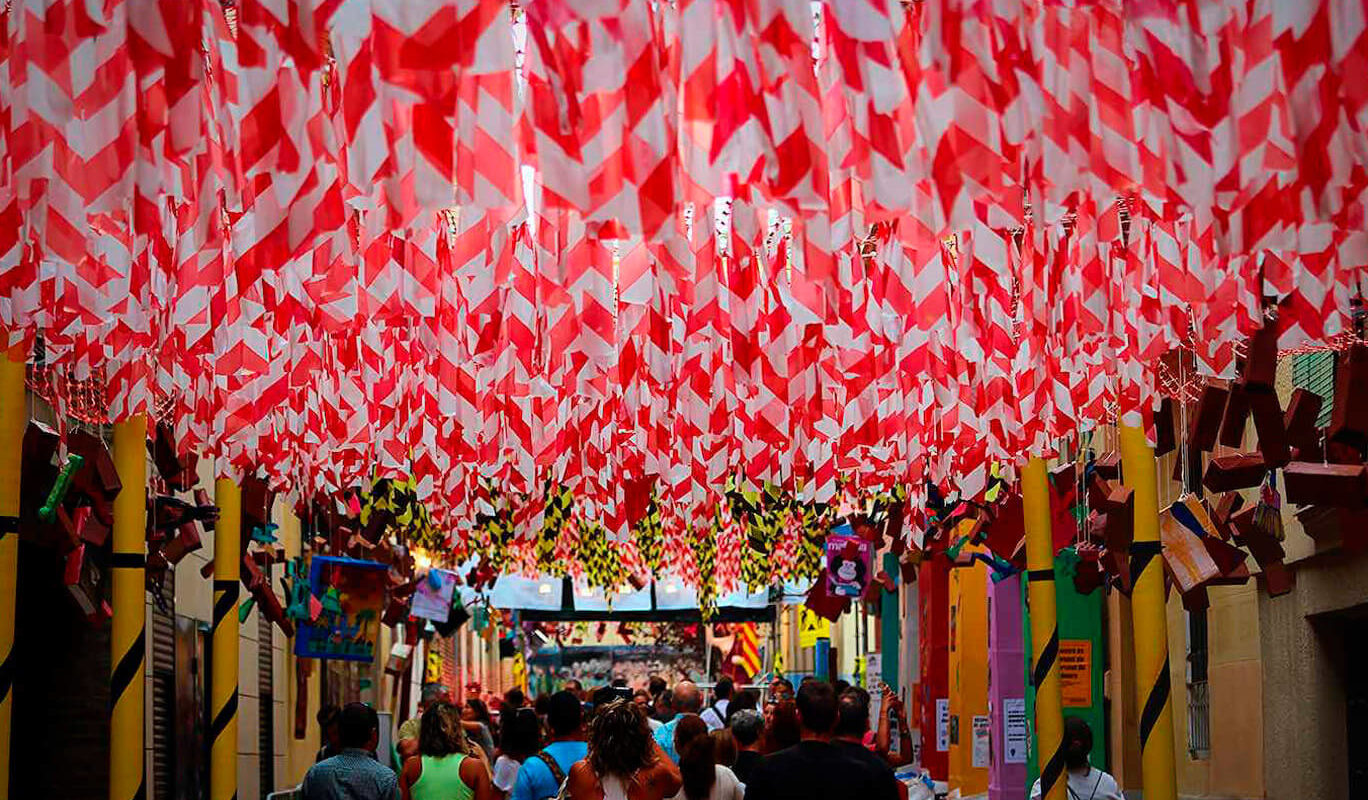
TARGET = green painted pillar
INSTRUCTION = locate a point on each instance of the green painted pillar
(890, 628)
(1080, 659)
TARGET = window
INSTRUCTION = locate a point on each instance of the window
(1199, 697)
(1316, 372)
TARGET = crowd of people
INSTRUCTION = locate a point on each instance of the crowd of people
(654, 743)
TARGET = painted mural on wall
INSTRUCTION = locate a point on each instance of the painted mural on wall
(351, 598)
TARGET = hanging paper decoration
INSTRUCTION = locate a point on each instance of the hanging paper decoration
(890, 248)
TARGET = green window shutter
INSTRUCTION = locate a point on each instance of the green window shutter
(1316, 372)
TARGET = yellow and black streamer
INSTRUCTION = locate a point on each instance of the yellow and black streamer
(223, 675)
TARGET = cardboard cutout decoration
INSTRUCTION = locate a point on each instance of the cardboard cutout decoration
(848, 563)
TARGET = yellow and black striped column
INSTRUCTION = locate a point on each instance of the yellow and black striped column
(12, 421)
(127, 780)
(1049, 707)
(1148, 617)
(223, 675)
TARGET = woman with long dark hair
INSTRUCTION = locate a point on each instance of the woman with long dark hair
(624, 761)
(1084, 781)
(703, 777)
(444, 768)
(479, 725)
(522, 737)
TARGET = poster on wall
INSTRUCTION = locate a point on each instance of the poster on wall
(352, 596)
(848, 563)
(982, 755)
(1014, 730)
(1075, 672)
(942, 724)
(432, 600)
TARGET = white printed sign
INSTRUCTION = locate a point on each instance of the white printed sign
(982, 755)
(942, 724)
(1014, 730)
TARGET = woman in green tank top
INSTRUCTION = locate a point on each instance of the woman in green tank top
(447, 767)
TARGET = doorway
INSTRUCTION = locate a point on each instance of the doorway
(1356, 705)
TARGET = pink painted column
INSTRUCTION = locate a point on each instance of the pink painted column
(1006, 691)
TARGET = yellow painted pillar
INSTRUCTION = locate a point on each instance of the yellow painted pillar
(1148, 616)
(223, 672)
(1035, 496)
(12, 421)
(968, 672)
(129, 592)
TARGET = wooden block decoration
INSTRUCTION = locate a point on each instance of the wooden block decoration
(187, 541)
(1303, 409)
(162, 448)
(1108, 466)
(40, 444)
(1206, 421)
(1187, 468)
(252, 576)
(1165, 437)
(1236, 413)
(1227, 556)
(1196, 599)
(380, 519)
(1341, 453)
(1268, 424)
(1334, 485)
(1229, 503)
(1098, 492)
(256, 506)
(1261, 358)
(202, 499)
(894, 525)
(1228, 473)
(395, 613)
(1353, 526)
(98, 476)
(1349, 418)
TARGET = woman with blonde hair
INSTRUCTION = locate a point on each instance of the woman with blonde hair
(448, 766)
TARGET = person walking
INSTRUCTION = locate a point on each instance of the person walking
(702, 777)
(686, 699)
(1085, 781)
(815, 768)
(747, 727)
(522, 737)
(624, 762)
(850, 737)
(715, 715)
(444, 768)
(352, 774)
(543, 773)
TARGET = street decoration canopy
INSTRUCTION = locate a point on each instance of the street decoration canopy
(614, 260)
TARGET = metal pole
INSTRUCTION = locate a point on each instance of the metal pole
(12, 421)
(1035, 495)
(126, 688)
(223, 676)
(1149, 619)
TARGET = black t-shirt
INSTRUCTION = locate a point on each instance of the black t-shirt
(747, 762)
(880, 776)
(814, 770)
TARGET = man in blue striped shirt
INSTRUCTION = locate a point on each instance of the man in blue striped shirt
(687, 699)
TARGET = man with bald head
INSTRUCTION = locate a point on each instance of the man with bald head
(687, 699)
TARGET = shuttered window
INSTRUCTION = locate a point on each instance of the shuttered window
(163, 669)
(265, 679)
(1316, 372)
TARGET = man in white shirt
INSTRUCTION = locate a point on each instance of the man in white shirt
(715, 715)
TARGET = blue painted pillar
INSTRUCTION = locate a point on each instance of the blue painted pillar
(821, 660)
